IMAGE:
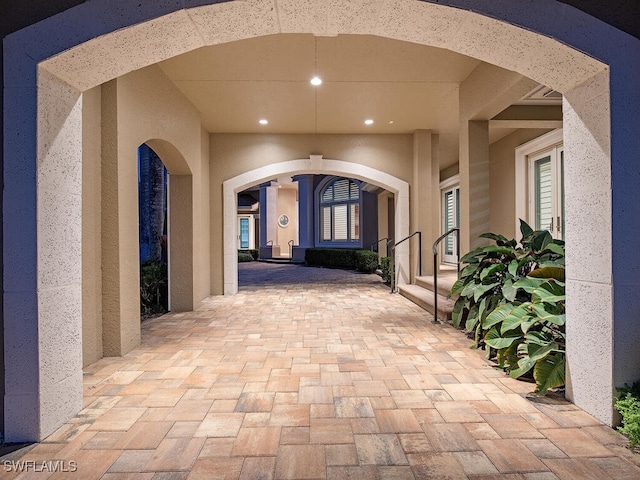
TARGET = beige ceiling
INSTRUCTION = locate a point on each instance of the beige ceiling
(401, 86)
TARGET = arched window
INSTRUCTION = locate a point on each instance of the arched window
(339, 211)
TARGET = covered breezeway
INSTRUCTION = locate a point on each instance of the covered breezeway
(49, 65)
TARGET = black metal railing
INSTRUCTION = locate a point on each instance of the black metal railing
(267, 243)
(436, 266)
(290, 243)
(393, 250)
(375, 244)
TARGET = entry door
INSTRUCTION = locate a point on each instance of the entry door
(546, 191)
(244, 232)
(451, 219)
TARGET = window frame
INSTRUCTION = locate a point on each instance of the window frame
(320, 215)
(524, 183)
(451, 184)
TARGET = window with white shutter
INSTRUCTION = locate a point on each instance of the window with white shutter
(450, 218)
(339, 211)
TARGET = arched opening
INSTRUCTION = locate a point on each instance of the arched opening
(43, 216)
(315, 164)
(179, 226)
(153, 233)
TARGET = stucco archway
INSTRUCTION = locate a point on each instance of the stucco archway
(317, 165)
(180, 208)
(49, 65)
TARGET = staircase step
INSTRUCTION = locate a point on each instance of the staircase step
(445, 282)
(425, 299)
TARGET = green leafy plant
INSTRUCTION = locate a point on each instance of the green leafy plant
(511, 298)
(628, 404)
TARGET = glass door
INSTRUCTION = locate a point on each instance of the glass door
(546, 191)
(244, 232)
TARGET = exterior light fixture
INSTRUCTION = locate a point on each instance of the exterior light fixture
(315, 81)
(368, 121)
(263, 121)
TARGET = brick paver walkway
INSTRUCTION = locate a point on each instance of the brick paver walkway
(332, 379)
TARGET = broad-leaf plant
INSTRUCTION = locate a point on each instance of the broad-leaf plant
(511, 298)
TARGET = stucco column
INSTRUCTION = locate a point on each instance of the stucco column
(91, 227)
(474, 183)
(424, 198)
(305, 216)
(42, 257)
(602, 340)
(120, 255)
(181, 243)
(265, 251)
(271, 214)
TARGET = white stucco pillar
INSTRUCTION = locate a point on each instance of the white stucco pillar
(43, 291)
(588, 234)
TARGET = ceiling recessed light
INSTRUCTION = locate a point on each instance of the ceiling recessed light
(368, 121)
(263, 121)
(315, 81)
(390, 122)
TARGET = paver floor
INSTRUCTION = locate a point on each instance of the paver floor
(311, 374)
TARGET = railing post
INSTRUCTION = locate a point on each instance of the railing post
(435, 287)
(420, 252)
(458, 249)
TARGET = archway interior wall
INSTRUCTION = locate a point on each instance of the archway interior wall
(88, 52)
(234, 154)
(315, 164)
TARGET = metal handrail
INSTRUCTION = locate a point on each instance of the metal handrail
(377, 242)
(290, 243)
(267, 243)
(435, 266)
(393, 248)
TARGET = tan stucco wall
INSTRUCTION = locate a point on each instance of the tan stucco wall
(91, 227)
(233, 154)
(502, 178)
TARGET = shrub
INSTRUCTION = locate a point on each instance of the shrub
(512, 298)
(255, 253)
(366, 261)
(386, 266)
(331, 257)
(153, 288)
(245, 257)
(628, 404)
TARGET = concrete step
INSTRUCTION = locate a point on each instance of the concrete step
(425, 299)
(445, 282)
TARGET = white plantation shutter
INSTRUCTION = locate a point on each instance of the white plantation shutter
(354, 221)
(326, 223)
(449, 220)
(543, 194)
(340, 222)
